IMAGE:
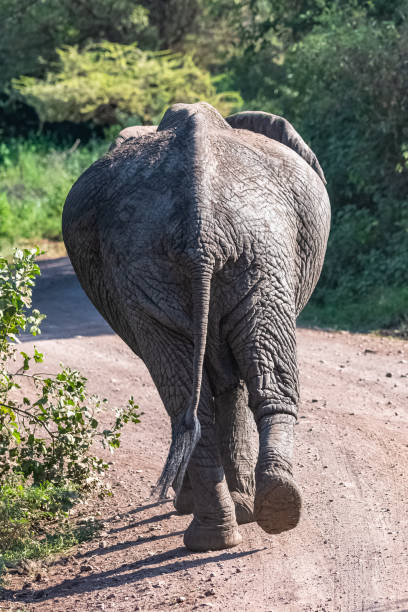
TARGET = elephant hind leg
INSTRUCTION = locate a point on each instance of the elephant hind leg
(238, 442)
(266, 357)
(169, 358)
(278, 500)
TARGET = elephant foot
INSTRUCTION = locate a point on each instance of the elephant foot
(200, 537)
(244, 507)
(277, 502)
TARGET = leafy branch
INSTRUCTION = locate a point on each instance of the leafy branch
(47, 436)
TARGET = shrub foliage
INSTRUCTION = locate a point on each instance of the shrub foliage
(112, 84)
(352, 73)
(47, 423)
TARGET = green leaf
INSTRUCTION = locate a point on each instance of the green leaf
(38, 357)
(16, 435)
(26, 360)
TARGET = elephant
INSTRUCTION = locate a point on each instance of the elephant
(200, 241)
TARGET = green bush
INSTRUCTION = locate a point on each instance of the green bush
(45, 435)
(351, 74)
(110, 83)
(48, 428)
(337, 71)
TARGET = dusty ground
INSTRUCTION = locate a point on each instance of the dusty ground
(349, 551)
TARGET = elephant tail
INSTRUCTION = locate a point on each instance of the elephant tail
(186, 431)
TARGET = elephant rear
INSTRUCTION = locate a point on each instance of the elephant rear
(199, 243)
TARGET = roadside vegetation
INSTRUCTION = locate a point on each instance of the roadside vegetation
(50, 428)
(35, 177)
(336, 70)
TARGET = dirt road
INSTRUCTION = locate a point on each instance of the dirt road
(350, 551)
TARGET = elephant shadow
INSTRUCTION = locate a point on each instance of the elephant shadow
(151, 566)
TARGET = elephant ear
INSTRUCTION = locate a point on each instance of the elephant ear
(279, 129)
(132, 132)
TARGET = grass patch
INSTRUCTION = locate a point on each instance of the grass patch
(380, 308)
(34, 522)
(33, 548)
(35, 177)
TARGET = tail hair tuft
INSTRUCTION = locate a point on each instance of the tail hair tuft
(183, 442)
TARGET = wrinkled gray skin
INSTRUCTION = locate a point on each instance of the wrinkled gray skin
(200, 242)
